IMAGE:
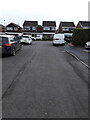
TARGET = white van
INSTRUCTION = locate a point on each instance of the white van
(39, 37)
(58, 39)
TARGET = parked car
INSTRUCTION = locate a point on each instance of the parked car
(33, 38)
(68, 38)
(9, 44)
(39, 37)
(58, 39)
(26, 39)
(87, 45)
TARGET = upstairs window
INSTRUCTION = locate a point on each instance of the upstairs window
(15, 28)
(53, 28)
(26, 28)
(33, 28)
(46, 28)
(71, 29)
(9, 28)
(65, 29)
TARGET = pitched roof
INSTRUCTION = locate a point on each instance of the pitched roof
(39, 26)
(13, 24)
(1, 26)
(85, 23)
(49, 23)
(67, 24)
(30, 23)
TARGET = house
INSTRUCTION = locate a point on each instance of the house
(49, 28)
(39, 32)
(39, 29)
(12, 27)
(30, 27)
(2, 28)
(83, 24)
(66, 27)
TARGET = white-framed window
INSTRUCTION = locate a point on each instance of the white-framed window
(33, 28)
(9, 28)
(26, 28)
(65, 29)
(71, 29)
(86, 27)
(15, 28)
(46, 28)
(53, 28)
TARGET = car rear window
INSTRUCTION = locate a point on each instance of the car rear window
(3, 40)
(25, 36)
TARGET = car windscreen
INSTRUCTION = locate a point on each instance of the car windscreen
(25, 36)
(68, 36)
(3, 40)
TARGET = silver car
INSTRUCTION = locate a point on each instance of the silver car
(87, 45)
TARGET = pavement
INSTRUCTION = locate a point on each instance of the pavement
(79, 53)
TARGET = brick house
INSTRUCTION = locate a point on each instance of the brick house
(83, 24)
(12, 27)
(49, 28)
(30, 27)
(39, 29)
(66, 27)
(2, 28)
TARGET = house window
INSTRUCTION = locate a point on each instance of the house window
(71, 29)
(9, 28)
(27, 28)
(46, 28)
(15, 28)
(53, 28)
(33, 28)
(65, 29)
(86, 27)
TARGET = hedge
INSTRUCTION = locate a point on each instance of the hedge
(80, 36)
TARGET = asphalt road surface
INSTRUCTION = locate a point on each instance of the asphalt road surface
(43, 81)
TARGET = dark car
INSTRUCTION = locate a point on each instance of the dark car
(68, 38)
(9, 44)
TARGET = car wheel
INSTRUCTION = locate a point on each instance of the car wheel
(13, 52)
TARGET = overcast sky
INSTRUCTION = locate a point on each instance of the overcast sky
(53, 10)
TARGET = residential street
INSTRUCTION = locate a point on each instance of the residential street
(43, 81)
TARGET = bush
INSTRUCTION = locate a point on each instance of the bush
(80, 36)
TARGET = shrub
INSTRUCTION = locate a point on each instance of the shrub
(80, 36)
